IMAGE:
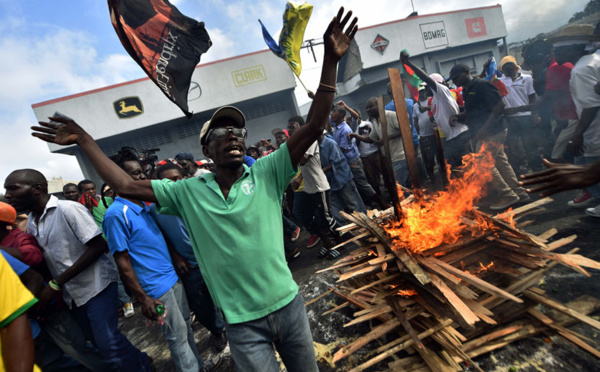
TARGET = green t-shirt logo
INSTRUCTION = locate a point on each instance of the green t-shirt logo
(247, 187)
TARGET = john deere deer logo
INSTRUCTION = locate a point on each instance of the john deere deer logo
(128, 107)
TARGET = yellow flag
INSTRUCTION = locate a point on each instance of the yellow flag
(295, 19)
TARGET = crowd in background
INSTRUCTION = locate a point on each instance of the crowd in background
(58, 248)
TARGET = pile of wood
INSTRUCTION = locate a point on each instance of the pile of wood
(454, 302)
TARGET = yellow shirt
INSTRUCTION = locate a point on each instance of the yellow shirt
(15, 299)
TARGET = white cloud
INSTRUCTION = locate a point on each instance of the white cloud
(59, 63)
(223, 46)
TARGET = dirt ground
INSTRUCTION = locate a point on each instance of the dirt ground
(543, 353)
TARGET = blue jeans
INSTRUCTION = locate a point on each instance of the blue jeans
(63, 331)
(200, 301)
(345, 198)
(286, 330)
(594, 189)
(177, 330)
(289, 227)
(98, 320)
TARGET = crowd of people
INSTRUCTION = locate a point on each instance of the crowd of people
(213, 237)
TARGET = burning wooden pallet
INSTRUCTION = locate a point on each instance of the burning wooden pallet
(458, 300)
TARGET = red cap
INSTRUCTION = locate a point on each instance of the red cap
(8, 214)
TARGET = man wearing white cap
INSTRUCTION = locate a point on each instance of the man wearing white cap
(234, 220)
(571, 45)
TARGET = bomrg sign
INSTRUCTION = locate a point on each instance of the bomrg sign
(434, 34)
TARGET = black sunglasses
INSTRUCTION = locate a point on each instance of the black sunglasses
(219, 134)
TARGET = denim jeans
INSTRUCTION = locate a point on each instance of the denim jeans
(286, 330)
(289, 227)
(583, 160)
(200, 301)
(51, 355)
(345, 198)
(361, 183)
(177, 330)
(98, 319)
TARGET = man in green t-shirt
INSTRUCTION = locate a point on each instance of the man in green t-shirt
(233, 217)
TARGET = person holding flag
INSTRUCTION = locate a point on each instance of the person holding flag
(234, 219)
(443, 107)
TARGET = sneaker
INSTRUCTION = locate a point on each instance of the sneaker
(220, 341)
(293, 254)
(594, 212)
(312, 241)
(128, 310)
(296, 234)
(211, 364)
(505, 203)
(581, 199)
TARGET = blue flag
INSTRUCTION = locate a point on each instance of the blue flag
(271, 43)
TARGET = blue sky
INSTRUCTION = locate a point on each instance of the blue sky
(59, 47)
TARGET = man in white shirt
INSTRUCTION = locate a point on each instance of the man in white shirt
(443, 108)
(521, 129)
(585, 144)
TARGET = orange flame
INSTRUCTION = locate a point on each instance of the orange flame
(407, 292)
(485, 267)
(440, 218)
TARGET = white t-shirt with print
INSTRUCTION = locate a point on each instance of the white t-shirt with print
(443, 106)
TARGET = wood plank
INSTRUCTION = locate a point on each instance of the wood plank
(371, 315)
(405, 127)
(525, 208)
(336, 308)
(475, 281)
(363, 271)
(548, 234)
(404, 321)
(461, 309)
(402, 343)
(562, 308)
(377, 332)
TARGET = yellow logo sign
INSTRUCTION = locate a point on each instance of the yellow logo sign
(128, 107)
(249, 75)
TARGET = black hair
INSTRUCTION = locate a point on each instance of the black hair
(70, 184)
(84, 182)
(125, 154)
(103, 194)
(340, 109)
(461, 67)
(31, 177)
(167, 166)
(297, 119)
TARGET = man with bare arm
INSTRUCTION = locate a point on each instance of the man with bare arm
(233, 217)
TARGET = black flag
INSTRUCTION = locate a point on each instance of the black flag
(164, 42)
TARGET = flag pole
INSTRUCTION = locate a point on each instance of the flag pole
(298, 77)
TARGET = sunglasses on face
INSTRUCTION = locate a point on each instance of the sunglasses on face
(219, 134)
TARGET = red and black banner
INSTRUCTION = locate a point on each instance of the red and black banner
(164, 42)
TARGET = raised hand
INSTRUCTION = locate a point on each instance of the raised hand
(335, 39)
(66, 133)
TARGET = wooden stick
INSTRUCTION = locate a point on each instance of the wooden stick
(403, 343)
(405, 127)
(377, 332)
(319, 297)
(380, 281)
(336, 308)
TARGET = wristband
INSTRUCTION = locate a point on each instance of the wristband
(54, 285)
(326, 88)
